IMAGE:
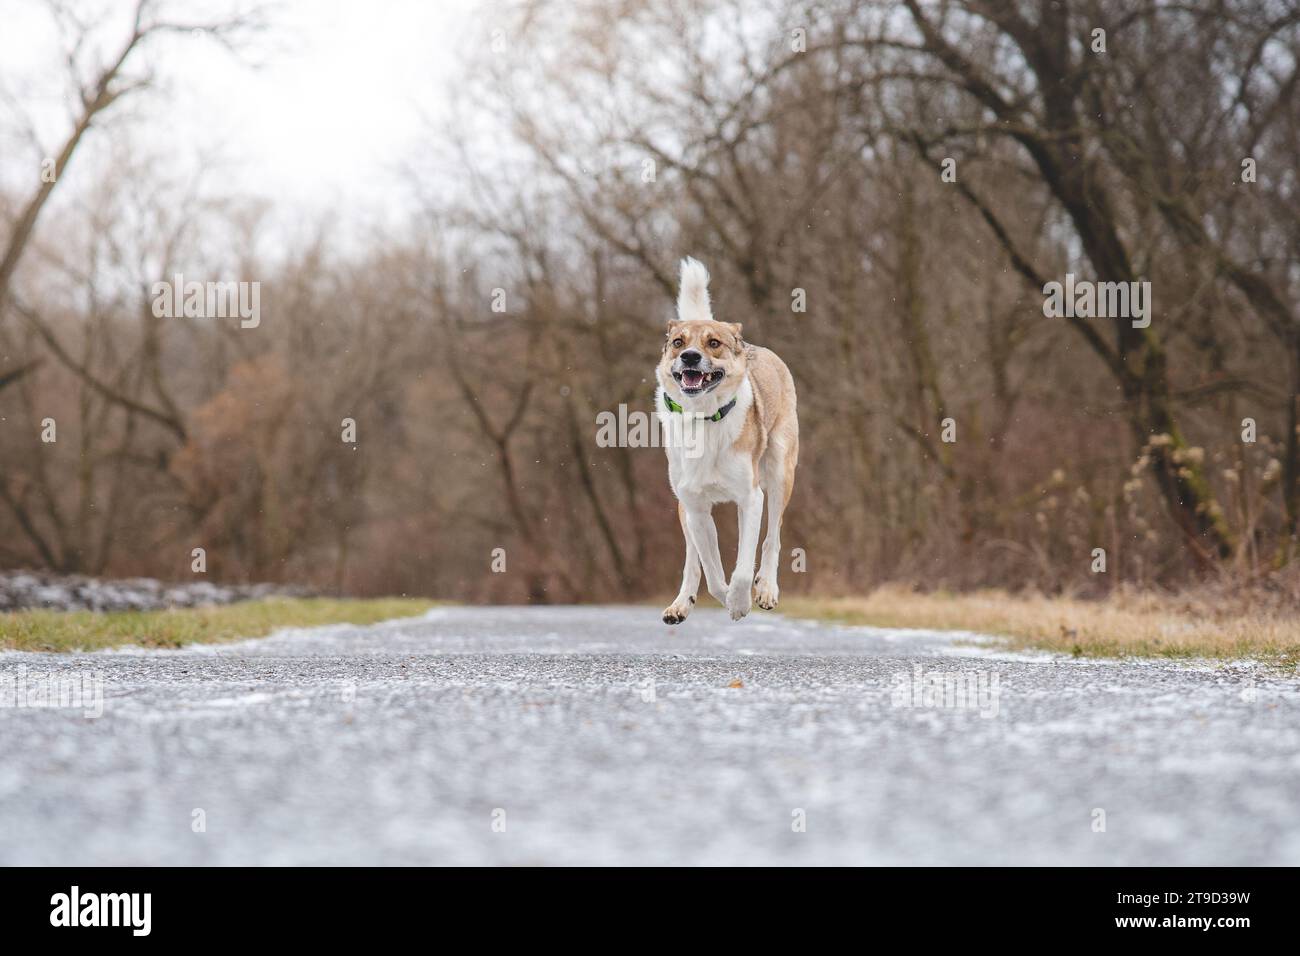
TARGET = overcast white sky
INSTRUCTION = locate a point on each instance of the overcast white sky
(325, 122)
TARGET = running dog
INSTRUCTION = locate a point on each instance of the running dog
(732, 434)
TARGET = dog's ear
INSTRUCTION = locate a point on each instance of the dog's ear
(670, 332)
(735, 330)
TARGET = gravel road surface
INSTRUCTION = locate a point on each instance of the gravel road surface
(597, 735)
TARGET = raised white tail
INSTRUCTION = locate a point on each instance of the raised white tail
(693, 292)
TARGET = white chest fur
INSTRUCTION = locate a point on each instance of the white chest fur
(704, 466)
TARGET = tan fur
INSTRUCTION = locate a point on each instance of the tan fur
(772, 416)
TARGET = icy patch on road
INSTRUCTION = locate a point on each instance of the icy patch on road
(21, 590)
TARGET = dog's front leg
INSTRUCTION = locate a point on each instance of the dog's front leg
(704, 535)
(676, 612)
(740, 595)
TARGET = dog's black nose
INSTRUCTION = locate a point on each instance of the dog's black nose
(691, 358)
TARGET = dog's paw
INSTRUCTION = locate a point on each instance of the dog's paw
(676, 613)
(766, 594)
(740, 598)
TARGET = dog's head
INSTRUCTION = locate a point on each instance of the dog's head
(702, 356)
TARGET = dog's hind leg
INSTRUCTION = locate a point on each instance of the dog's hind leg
(778, 482)
(740, 593)
(676, 612)
(704, 535)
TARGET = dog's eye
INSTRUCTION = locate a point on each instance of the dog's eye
(714, 344)
(678, 343)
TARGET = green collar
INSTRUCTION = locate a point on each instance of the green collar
(717, 416)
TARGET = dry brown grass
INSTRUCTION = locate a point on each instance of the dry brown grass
(1209, 624)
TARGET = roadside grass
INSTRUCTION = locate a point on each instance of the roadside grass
(41, 630)
(1125, 624)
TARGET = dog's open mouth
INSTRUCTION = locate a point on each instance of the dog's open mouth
(694, 381)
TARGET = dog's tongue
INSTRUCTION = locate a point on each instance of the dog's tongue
(692, 377)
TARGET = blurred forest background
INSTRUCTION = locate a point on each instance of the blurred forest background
(790, 146)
